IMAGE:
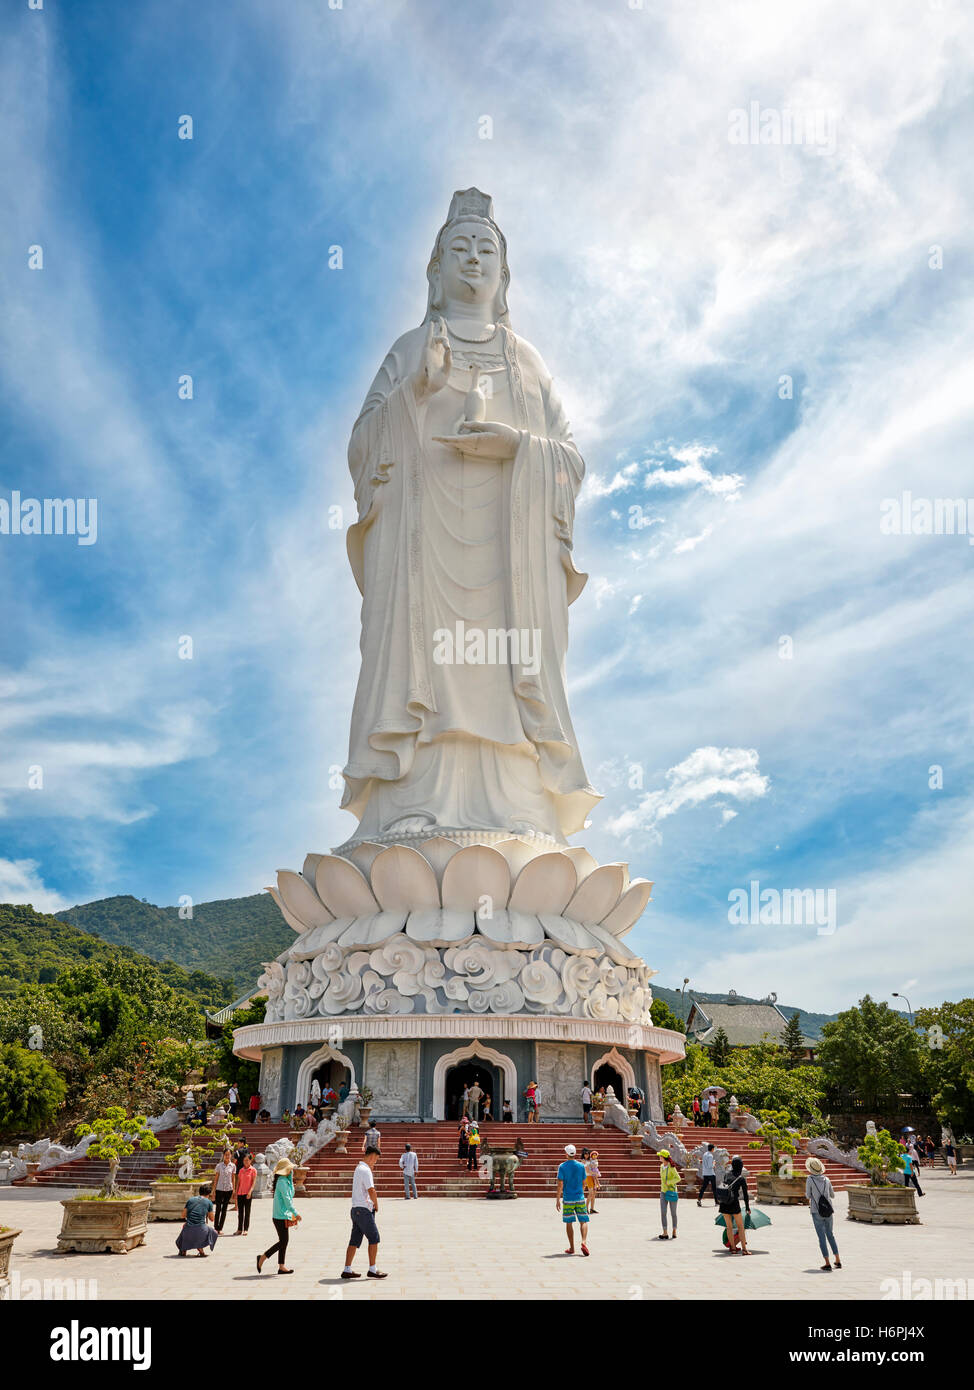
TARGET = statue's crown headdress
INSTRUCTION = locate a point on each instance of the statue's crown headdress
(469, 203)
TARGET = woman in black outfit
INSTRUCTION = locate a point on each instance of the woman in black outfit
(730, 1208)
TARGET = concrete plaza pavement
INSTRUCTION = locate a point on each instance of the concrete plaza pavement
(447, 1248)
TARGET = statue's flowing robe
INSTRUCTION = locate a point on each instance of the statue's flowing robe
(444, 539)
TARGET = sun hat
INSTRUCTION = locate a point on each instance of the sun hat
(569, 1149)
(814, 1165)
(282, 1167)
(664, 1153)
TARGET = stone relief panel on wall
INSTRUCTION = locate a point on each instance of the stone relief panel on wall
(392, 1071)
(270, 1080)
(561, 1073)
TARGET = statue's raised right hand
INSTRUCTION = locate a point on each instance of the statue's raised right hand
(434, 369)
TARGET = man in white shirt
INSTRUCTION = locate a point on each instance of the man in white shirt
(233, 1098)
(365, 1205)
(707, 1177)
(409, 1164)
(587, 1103)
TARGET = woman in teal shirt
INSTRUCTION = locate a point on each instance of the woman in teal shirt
(283, 1215)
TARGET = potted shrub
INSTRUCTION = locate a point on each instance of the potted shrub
(8, 1234)
(598, 1107)
(882, 1202)
(780, 1185)
(341, 1134)
(109, 1219)
(197, 1144)
(635, 1137)
(365, 1103)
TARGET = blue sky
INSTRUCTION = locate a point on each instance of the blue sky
(669, 276)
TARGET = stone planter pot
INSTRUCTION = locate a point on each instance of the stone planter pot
(636, 1146)
(300, 1174)
(7, 1239)
(169, 1198)
(597, 1117)
(884, 1206)
(781, 1192)
(341, 1141)
(364, 1112)
(115, 1224)
(32, 1168)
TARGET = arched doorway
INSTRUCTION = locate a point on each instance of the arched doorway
(330, 1073)
(465, 1073)
(606, 1076)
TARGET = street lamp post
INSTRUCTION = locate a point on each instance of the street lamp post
(908, 1004)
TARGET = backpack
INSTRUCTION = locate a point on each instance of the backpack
(825, 1207)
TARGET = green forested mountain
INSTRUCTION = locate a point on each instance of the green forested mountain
(230, 938)
(38, 949)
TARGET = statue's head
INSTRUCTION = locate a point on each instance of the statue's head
(469, 260)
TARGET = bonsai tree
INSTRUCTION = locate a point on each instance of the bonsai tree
(116, 1136)
(198, 1143)
(776, 1131)
(365, 1095)
(881, 1155)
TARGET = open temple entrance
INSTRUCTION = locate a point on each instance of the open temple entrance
(465, 1074)
(606, 1076)
(334, 1074)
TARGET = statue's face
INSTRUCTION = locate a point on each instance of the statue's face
(470, 264)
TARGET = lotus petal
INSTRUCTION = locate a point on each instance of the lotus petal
(317, 939)
(364, 855)
(372, 930)
(517, 854)
(545, 885)
(571, 936)
(520, 929)
(439, 851)
(288, 916)
(627, 910)
(438, 927)
(473, 874)
(598, 895)
(584, 862)
(612, 946)
(302, 900)
(309, 866)
(403, 880)
(343, 889)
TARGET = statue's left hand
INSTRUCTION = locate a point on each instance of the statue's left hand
(486, 439)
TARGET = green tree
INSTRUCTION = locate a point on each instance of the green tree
(760, 1077)
(947, 1062)
(31, 1092)
(232, 1068)
(792, 1041)
(116, 1136)
(881, 1155)
(871, 1051)
(664, 1017)
(720, 1048)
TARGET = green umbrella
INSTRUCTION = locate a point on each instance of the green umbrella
(753, 1221)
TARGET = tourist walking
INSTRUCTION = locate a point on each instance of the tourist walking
(587, 1104)
(463, 1139)
(592, 1180)
(486, 1115)
(233, 1099)
(473, 1099)
(930, 1149)
(707, 1175)
(409, 1165)
(473, 1147)
(365, 1208)
(221, 1188)
(373, 1138)
(531, 1099)
(570, 1200)
(507, 1117)
(729, 1198)
(244, 1193)
(909, 1170)
(283, 1215)
(821, 1204)
(669, 1178)
(950, 1157)
(196, 1231)
(253, 1107)
(713, 1111)
(696, 1110)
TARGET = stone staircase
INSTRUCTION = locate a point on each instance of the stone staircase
(441, 1174)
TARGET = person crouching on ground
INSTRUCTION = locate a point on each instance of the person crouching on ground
(570, 1200)
(197, 1230)
(669, 1177)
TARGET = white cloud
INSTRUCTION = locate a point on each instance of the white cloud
(20, 883)
(692, 473)
(706, 773)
